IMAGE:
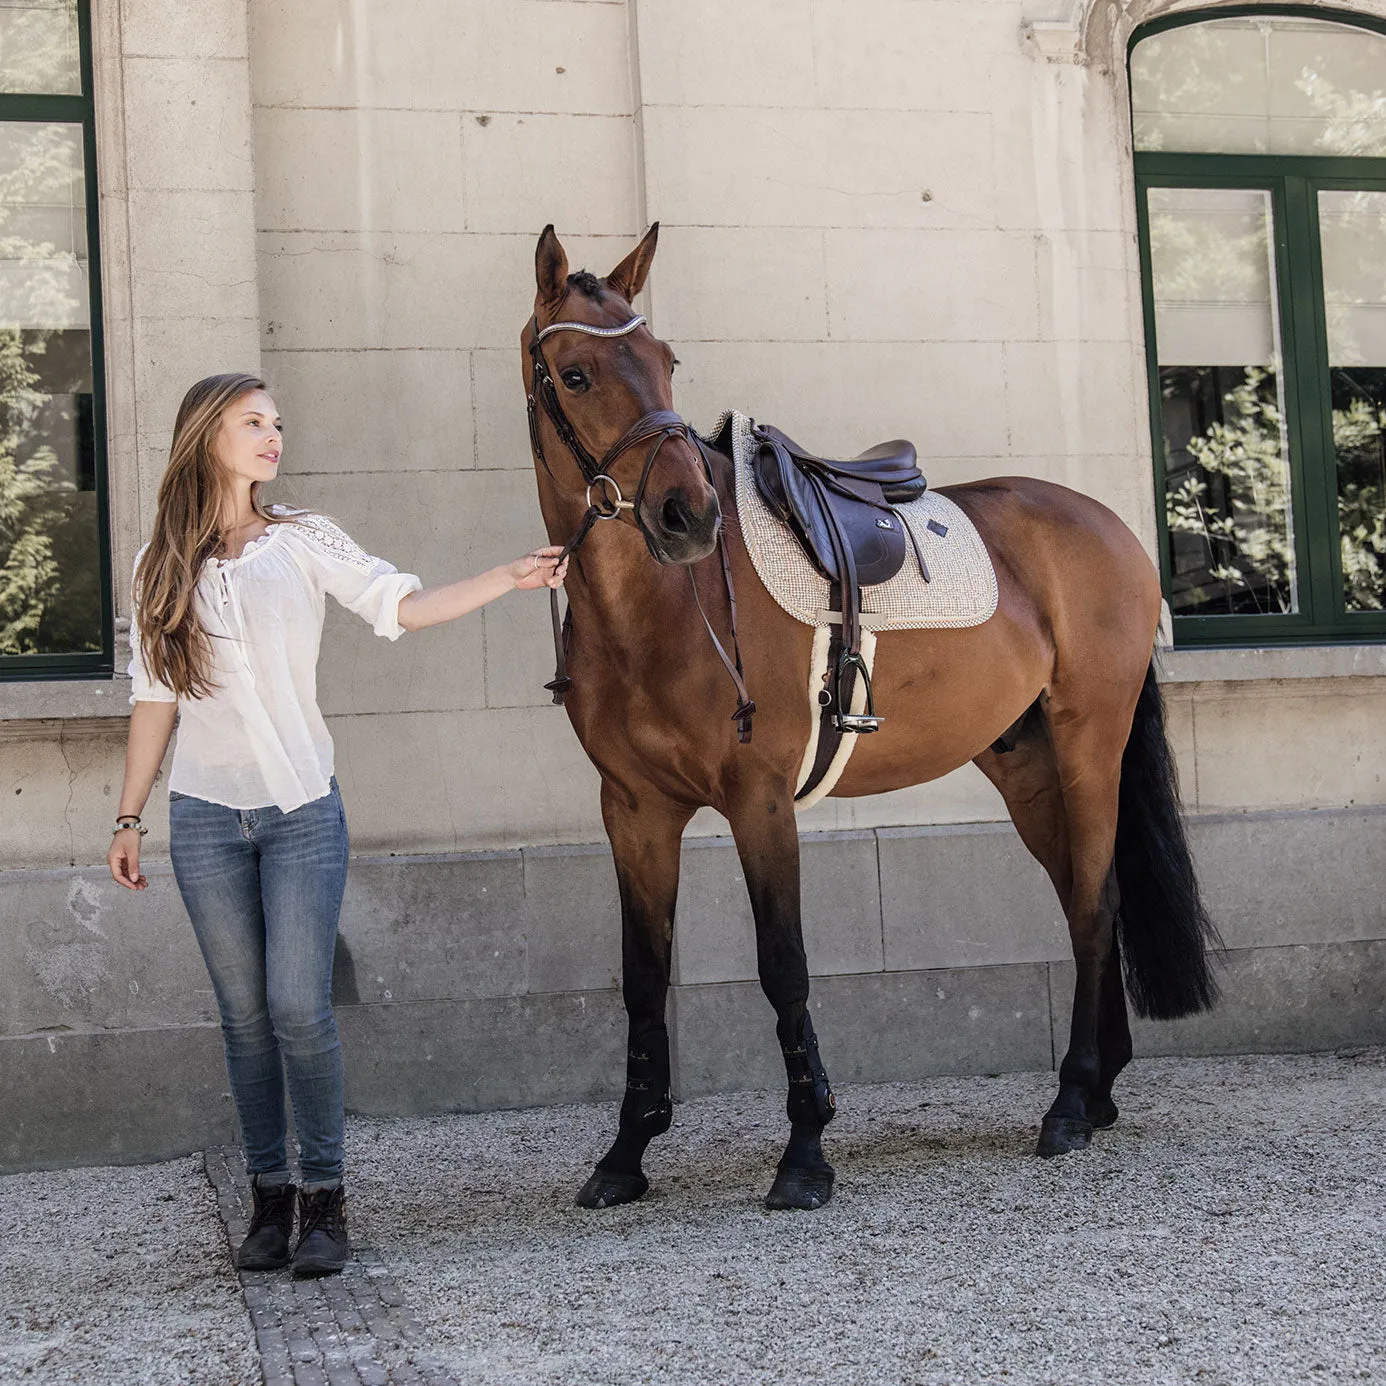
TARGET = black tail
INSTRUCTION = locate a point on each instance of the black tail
(1162, 926)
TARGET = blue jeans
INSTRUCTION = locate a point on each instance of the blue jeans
(264, 889)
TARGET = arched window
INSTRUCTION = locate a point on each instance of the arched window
(1260, 139)
(55, 598)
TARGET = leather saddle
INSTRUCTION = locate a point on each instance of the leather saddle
(842, 513)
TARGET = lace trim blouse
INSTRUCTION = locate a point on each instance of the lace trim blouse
(260, 739)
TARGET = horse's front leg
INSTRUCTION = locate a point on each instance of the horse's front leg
(644, 830)
(767, 838)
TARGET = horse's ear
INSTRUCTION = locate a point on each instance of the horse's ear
(550, 269)
(628, 278)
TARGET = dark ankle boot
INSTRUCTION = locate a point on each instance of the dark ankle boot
(266, 1245)
(322, 1232)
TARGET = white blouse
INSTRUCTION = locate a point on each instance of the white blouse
(260, 739)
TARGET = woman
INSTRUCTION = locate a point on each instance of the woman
(228, 608)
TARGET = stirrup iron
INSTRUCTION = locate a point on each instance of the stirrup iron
(855, 721)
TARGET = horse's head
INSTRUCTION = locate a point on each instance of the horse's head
(601, 385)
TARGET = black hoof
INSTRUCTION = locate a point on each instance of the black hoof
(1102, 1112)
(1059, 1135)
(800, 1188)
(606, 1189)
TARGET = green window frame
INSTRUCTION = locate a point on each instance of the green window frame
(79, 109)
(1293, 183)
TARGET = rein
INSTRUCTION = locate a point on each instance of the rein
(656, 428)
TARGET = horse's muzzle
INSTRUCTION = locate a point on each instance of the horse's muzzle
(679, 533)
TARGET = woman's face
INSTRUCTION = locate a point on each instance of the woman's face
(249, 442)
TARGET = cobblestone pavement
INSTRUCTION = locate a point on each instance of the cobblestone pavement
(351, 1329)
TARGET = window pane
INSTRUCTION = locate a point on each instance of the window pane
(1217, 339)
(50, 592)
(38, 47)
(1352, 232)
(1264, 85)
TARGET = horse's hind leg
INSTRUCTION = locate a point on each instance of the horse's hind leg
(1061, 791)
(767, 838)
(644, 830)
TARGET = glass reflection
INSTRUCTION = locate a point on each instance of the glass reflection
(39, 50)
(1261, 85)
(1352, 234)
(1227, 474)
(50, 596)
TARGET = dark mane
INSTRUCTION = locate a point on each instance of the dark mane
(586, 282)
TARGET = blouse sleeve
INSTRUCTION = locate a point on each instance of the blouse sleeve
(371, 587)
(144, 687)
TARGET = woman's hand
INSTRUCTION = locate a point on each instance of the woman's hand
(539, 568)
(124, 860)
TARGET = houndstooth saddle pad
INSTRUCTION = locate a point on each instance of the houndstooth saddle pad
(961, 590)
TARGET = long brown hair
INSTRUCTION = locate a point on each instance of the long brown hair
(187, 532)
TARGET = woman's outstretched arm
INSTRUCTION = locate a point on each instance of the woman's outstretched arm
(151, 728)
(435, 605)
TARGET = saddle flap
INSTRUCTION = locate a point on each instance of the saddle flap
(831, 514)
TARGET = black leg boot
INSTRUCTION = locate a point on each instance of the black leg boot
(266, 1245)
(322, 1233)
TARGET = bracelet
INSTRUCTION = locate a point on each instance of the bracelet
(121, 824)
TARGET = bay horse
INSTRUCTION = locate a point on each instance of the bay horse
(1063, 670)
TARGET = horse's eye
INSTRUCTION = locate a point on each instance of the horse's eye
(674, 365)
(575, 380)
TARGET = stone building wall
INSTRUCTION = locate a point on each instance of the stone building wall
(879, 218)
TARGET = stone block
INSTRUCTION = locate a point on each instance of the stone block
(187, 125)
(1069, 398)
(886, 1027)
(1179, 731)
(1252, 869)
(158, 29)
(170, 354)
(519, 647)
(105, 1098)
(714, 937)
(1326, 735)
(1089, 286)
(429, 929)
(1296, 999)
(931, 285)
(80, 952)
(964, 795)
(193, 254)
(966, 896)
(572, 919)
(577, 171)
(341, 291)
(726, 53)
(498, 405)
(1055, 164)
(847, 395)
(472, 1056)
(900, 55)
(64, 788)
(742, 166)
(464, 781)
(374, 411)
(729, 283)
(358, 170)
(427, 523)
(503, 55)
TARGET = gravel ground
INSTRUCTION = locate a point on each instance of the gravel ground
(1228, 1230)
(119, 1277)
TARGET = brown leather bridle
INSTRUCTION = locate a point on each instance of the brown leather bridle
(656, 427)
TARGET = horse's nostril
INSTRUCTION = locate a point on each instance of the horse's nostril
(675, 515)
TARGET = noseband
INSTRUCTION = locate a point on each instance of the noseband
(656, 428)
